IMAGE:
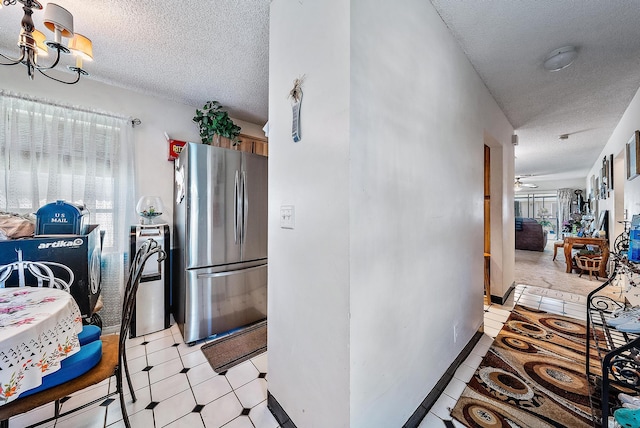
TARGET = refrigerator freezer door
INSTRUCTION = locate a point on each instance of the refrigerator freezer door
(212, 198)
(218, 301)
(254, 201)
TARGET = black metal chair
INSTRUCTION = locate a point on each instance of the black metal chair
(112, 363)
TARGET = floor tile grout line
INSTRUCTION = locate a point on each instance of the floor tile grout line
(195, 399)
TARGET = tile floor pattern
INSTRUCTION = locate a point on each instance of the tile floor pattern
(176, 387)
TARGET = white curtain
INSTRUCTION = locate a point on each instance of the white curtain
(50, 151)
(564, 206)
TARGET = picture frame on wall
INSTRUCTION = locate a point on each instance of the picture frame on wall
(632, 151)
(610, 172)
(604, 179)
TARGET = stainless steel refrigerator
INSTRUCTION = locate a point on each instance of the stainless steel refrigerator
(220, 235)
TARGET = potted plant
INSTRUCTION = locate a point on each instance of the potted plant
(544, 220)
(213, 121)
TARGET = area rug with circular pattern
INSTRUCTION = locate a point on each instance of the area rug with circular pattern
(532, 376)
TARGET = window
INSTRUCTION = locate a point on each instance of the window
(542, 207)
(50, 152)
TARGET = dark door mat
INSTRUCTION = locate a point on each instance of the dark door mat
(236, 348)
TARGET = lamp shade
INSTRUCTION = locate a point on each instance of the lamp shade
(82, 46)
(38, 38)
(58, 18)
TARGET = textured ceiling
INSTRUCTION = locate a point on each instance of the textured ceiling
(507, 41)
(190, 51)
(193, 51)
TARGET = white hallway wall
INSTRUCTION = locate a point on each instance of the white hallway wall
(386, 255)
(309, 282)
(629, 123)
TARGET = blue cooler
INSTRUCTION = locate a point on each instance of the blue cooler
(61, 218)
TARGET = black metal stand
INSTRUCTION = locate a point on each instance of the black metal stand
(619, 352)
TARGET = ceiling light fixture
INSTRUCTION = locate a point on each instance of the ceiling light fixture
(519, 185)
(560, 58)
(32, 42)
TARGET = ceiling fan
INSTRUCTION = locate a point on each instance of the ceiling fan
(518, 185)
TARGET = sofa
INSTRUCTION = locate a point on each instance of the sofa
(530, 235)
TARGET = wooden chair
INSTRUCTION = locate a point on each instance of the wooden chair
(112, 363)
(556, 245)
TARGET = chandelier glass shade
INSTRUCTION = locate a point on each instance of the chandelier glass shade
(33, 44)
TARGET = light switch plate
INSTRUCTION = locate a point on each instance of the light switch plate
(287, 216)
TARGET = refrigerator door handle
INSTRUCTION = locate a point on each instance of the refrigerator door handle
(236, 208)
(245, 206)
(230, 272)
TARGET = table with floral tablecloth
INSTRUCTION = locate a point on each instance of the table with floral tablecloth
(38, 329)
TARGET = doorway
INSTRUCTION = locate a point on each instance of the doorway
(619, 214)
(487, 225)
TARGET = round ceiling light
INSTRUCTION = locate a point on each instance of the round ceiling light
(560, 58)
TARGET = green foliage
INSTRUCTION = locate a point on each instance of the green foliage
(213, 120)
(545, 223)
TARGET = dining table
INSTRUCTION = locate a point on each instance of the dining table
(39, 328)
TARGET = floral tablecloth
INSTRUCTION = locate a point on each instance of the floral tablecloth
(38, 328)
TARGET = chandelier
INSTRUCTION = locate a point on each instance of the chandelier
(33, 45)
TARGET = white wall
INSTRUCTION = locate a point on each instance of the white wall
(309, 266)
(387, 253)
(154, 174)
(502, 213)
(623, 132)
(419, 114)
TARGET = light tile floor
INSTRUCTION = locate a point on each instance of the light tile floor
(176, 387)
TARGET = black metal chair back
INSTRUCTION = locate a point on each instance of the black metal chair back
(149, 248)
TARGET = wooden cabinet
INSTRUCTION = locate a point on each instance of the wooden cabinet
(254, 145)
(246, 143)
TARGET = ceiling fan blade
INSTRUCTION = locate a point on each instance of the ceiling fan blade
(519, 185)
